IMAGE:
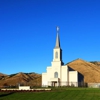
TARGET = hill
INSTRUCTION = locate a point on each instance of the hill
(90, 71)
(2, 75)
(31, 79)
(96, 63)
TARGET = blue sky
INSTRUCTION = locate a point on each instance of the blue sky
(28, 33)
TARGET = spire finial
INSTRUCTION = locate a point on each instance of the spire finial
(57, 29)
(57, 39)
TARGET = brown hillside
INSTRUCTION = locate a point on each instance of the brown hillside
(2, 76)
(21, 78)
(96, 63)
(90, 71)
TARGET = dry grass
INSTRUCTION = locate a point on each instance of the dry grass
(90, 71)
(21, 78)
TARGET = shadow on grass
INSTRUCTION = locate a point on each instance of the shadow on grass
(6, 94)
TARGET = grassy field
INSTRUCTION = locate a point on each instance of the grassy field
(55, 94)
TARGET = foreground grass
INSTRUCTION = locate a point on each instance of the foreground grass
(56, 94)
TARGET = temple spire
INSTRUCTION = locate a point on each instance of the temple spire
(57, 39)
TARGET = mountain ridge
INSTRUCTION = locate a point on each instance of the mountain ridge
(21, 78)
(90, 71)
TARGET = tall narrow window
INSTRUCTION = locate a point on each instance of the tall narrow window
(56, 55)
(56, 75)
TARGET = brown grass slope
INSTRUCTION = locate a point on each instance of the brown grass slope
(90, 71)
(21, 78)
(2, 76)
(96, 63)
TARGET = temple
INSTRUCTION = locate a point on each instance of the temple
(59, 74)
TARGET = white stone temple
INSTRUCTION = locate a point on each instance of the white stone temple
(59, 74)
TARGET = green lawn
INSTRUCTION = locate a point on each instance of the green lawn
(55, 94)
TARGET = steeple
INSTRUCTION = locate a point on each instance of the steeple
(57, 53)
(57, 39)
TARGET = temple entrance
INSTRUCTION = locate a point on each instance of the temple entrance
(54, 83)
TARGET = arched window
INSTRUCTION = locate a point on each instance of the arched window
(56, 55)
(56, 75)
